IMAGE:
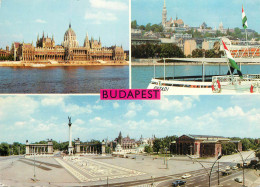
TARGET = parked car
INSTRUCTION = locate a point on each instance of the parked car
(240, 180)
(186, 176)
(178, 183)
(234, 167)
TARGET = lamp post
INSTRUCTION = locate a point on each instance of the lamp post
(208, 173)
(219, 156)
(34, 175)
(166, 158)
(244, 162)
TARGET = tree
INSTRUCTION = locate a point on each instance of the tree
(148, 27)
(196, 53)
(148, 149)
(157, 145)
(171, 50)
(246, 144)
(228, 148)
(142, 27)
(4, 149)
(134, 24)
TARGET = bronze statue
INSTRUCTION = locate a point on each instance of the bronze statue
(69, 121)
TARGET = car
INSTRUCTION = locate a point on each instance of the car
(227, 168)
(240, 180)
(186, 176)
(178, 183)
(234, 167)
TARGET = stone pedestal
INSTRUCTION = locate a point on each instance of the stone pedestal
(70, 150)
(103, 148)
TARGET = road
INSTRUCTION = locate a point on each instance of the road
(199, 178)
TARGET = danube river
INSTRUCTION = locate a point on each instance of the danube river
(142, 75)
(79, 79)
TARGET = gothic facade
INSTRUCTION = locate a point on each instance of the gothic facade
(69, 51)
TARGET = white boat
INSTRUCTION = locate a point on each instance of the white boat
(206, 84)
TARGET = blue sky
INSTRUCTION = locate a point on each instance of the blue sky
(22, 20)
(41, 117)
(195, 12)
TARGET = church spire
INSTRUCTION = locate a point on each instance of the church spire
(70, 25)
(164, 5)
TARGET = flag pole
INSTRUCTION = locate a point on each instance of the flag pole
(247, 43)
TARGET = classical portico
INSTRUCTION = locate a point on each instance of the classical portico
(39, 149)
(89, 148)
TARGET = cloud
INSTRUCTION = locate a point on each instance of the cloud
(53, 101)
(115, 105)
(74, 109)
(99, 16)
(130, 114)
(153, 113)
(40, 21)
(79, 122)
(173, 104)
(109, 5)
(20, 106)
(134, 106)
(20, 124)
(97, 107)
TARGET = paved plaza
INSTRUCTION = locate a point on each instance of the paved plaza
(96, 170)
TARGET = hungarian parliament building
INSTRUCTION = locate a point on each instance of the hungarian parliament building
(68, 52)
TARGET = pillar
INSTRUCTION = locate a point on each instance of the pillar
(103, 148)
(70, 148)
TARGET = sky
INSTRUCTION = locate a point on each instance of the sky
(195, 12)
(23, 20)
(42, 117)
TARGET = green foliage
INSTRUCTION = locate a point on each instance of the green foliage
(134, 24)
(257, 154)
(246, 144)
(155, 50)
(142, 27)
(4, 149)
(196, 53)
(148, 149)
(228, 148)
(148, 27)
(160, 144)
(8, 58)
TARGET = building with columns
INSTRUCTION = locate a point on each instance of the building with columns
(203, 145)
(39, 149)
(46, 51)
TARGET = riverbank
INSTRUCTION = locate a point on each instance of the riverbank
(154, 62)
(60, 64)
(183, 64)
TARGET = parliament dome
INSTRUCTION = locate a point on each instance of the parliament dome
(70, 38)
(70, 32)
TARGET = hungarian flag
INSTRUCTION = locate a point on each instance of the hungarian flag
(233, 64)
(244, 19)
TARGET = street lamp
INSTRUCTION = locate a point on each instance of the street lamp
(244, 162)
(219, 156)
(208, 173)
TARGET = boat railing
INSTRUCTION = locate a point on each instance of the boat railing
(235, 79)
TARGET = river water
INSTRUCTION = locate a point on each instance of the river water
(142, 75)
(79, 79)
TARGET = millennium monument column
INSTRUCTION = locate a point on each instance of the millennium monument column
(70, 148)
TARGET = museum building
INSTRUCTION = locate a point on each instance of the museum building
(203, 145)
